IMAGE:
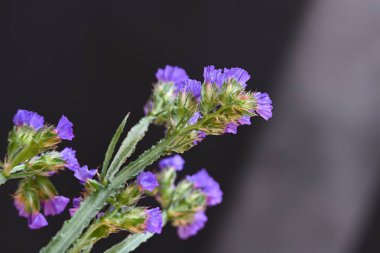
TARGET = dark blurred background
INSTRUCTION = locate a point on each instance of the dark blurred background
(306, 181)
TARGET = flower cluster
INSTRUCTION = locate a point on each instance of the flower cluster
(32, 156)
(186, 202)
(217, 106)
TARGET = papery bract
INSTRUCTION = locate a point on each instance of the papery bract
(186, 231)
(65, 129)
(147, 181)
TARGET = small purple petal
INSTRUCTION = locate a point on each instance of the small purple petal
(68, 154)
(175, 162)
(32, 119)
(65, 129)
(193, 87)
(147, 181)
(154, 220)
(200, 219)
(55, 206)
(21, 208)
(263, 105)
(200, 136)
(231, 128)
(76, 204)
(83, 173)
(172, 74)
(240, 75)
(194, 119)
(245, 120)
(203, 181)
(36, 221)
(213, 76)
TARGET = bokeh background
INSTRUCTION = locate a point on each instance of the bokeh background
(307, 181)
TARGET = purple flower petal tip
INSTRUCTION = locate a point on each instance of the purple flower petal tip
(263, 105)
(55, 206)
(147, 181)
(32, 119)
(200, 136)
(68, 155)
(83, 173)
(65, 129)
(240, 75)
(21, 208)
(245, 120)
(200, 219)
(154, 220)
(172, 74)
(175, 162)
(231, 128)
(36, 221)
(194, 119)
(193, 87)
(203, 181)
(213, 76)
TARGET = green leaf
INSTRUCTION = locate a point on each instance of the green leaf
(128, 146)
(130, 243)
(112, 145)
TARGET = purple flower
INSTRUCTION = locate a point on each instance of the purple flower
(193, 87)
(68, 154)
(21, 208)
(32, 119)
(208, 186)
(231, 128)
(194, 119)
(175, 161)
(172, 74)
(263, 105)
(213, 76)
(245, 120)
(147, 181)
(76, 204)
(153, 222)
(200, 219)
(83, 173)
(55, 205)
(36, 221)
(240, 75)
(65, 129)
(200, 136)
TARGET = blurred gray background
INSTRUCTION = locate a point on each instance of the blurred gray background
(311, 184)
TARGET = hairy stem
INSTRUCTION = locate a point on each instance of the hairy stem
(86, 240)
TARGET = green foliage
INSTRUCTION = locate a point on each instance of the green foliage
(127, 147)
(112, 145)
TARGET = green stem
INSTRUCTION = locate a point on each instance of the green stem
(73, 228)
(86, 240)
(130, 243)
(3, 179)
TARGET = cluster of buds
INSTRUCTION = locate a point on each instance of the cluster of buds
(191, 110)
(122, 212)
(31, 156)
(186, 202)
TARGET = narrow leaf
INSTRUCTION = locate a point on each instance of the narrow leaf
(112, 145)
(130, 243)
(128, 146)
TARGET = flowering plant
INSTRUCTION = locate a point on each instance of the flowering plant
(110, 202)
